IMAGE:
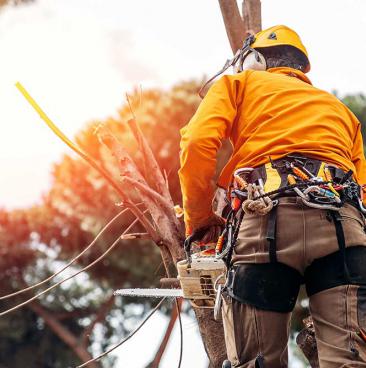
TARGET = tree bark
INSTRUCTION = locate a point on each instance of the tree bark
(307, 343)
(238, 27)
(234, 24)
(212, 333)
(252, 15)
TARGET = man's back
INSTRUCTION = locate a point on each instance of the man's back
(265, 114)
(280, 112)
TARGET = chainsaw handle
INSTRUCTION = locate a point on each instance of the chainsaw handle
(196, 235)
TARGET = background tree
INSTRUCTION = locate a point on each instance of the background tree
(73, 212)
(37, 241)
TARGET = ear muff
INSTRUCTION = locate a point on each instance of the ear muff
(254, 61)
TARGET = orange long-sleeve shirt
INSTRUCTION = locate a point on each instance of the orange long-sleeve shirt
(263, 113)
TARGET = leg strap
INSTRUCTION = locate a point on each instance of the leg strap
(267, 286)
(328, 272)
(271, 235)
(259, 362)
(337, 220)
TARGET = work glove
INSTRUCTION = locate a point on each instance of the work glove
(211, 228)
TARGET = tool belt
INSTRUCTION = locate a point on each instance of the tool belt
(257, 190)
(282, 178)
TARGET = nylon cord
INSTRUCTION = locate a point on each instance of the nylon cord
(181, 333)
(70, 262)
(63, 137)
(70, 277)
(127, 338)
(84, 155)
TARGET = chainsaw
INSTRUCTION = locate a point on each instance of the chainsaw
(201, 276)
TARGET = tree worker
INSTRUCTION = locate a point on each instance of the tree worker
(305, 147)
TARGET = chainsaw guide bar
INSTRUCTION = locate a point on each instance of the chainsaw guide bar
(198, 280)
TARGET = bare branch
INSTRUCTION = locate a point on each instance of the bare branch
(144, 221)
(252, 15)
(126, 164)
(74, 314)
(167, 257)
(135, 236)
(168, 226)
(155, 171)
(127, 167)
(150, 192)
(234, 24)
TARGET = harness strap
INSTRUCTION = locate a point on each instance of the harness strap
(271, 235)
(259, 362)
(341, 241)
(234, 239)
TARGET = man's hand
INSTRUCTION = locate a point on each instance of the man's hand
(212, 228)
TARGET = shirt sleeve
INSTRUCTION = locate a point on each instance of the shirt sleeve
(358, 159)
(200, 140)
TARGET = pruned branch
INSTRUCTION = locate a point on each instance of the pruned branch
(252, 15)
(234, 24)
(237, 26)
(135, 236)
(127, 167)
(148, 155)
(162, 215)
(126, 164)
(149, 192)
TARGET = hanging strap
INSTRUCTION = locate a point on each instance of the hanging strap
(259, 362)
(337, 220)
(234, 239)
(271, 235)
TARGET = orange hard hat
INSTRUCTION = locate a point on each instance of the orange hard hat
(277, 36)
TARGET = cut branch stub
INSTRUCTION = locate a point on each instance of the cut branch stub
(126, 164)
(150, 193)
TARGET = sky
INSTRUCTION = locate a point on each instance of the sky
(78, 58)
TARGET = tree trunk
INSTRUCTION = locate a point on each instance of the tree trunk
(212, 333)
(237, 26)
(234, 24)
(252, 15)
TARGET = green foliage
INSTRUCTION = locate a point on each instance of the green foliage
(357, 104)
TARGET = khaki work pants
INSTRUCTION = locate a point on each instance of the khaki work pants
(303, 235)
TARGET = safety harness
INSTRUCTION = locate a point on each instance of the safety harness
(255, 191)
(274, 286)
